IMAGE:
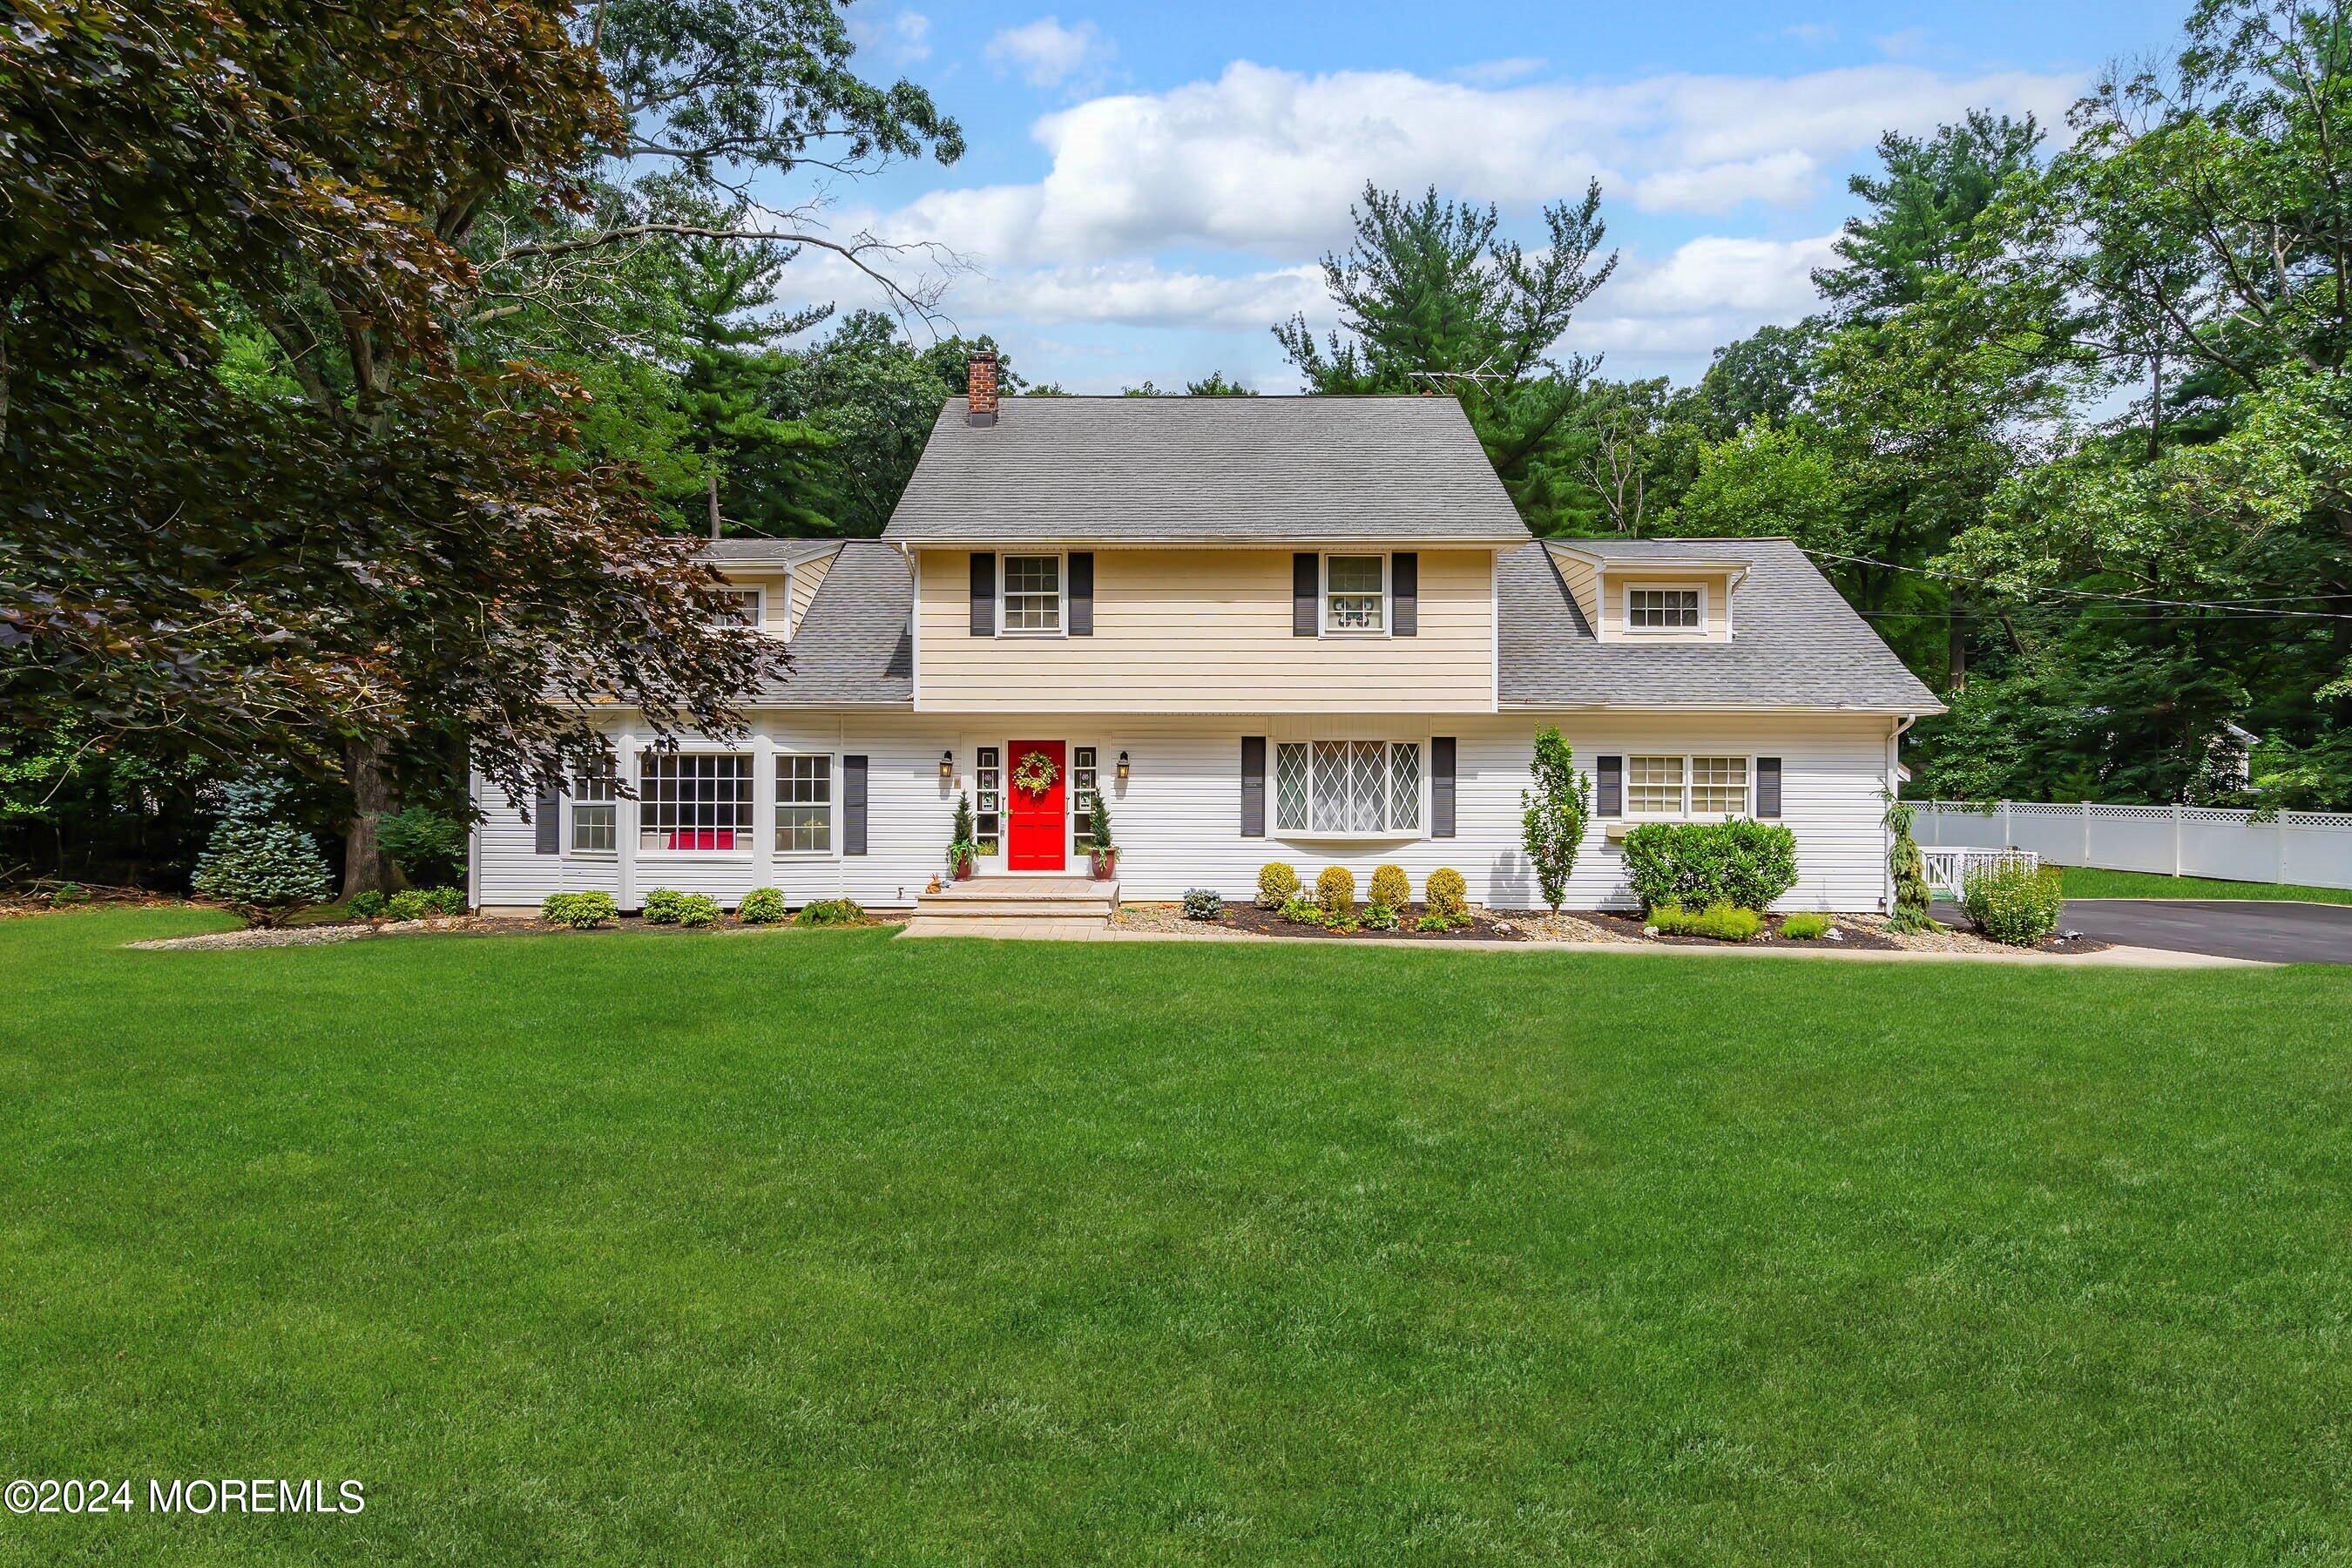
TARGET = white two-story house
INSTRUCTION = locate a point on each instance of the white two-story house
(1304, 630)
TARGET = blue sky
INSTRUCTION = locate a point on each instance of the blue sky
(1148, 187)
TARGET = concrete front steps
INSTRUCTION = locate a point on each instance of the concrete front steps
(987, 906)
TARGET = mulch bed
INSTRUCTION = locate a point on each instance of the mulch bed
(1482, 926)
(1856, 937)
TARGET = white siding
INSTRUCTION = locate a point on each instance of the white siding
(1178, 819)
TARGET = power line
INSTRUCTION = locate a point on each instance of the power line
(2236, 607)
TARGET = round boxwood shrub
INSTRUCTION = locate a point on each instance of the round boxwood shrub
(760, 907)
(1277, 884)
(408, 904)
(2011, 904)
(1698, 864)
(662, 906)
(1448, 896)
(1390, 887)
(1202, 904)
(580, 912)
(1335, 893)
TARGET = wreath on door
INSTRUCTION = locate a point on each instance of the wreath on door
(1036, 774)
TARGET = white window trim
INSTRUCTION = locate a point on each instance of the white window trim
(832, 806)
(1700, 630)
(1323, 597)
(1343, 835)
(1689, 761)
(1070, 798)
(1005, 560)
(572, 803)
(744, 855)
(758, 621)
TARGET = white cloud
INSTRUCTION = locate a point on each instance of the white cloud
(903, 40)
(1703, 294)
(1045, 52)
(1908, 44)
(1266, 161)
(1782, 179)
(1496, 73)
(1139, 294)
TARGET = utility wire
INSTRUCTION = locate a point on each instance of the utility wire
(2234, 605)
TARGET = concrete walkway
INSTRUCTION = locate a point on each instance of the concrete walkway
(1071, 931)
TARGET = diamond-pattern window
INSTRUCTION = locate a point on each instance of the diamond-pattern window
(1290, 787)
(1404, 785)
(1347, 787)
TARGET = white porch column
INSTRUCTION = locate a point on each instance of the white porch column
(763, 806)
(624, 814)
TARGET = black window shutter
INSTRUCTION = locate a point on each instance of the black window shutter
(853, 806)
(1253, 787)
(547, 816)
(1768, 786)
(1612, 785)
(1305, 588)
(983, 592)
(1441, 786)
(1404, 587)
(1082, 592)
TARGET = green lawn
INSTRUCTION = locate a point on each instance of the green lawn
(814, 1245)
(2090, 882)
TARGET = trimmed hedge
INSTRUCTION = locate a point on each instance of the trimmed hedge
(1335, 893)
(578, 910)
(1448, 894)
(1805, 927)
(1277, 884)
(1725, 922)
(1699, 864)
(1390, 887)
(2011, 904)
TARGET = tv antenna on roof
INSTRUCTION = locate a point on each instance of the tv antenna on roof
(1482, 374)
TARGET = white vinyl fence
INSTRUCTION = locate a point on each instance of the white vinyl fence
(2311, 848)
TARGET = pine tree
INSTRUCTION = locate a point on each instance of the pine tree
(260, 866)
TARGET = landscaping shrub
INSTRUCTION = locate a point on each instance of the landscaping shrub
(1335, 893)
(2013, 905)
(408, 904)
(366, 905)
(662, 906)
(1381, 917)
(1390, 887)
(1698, 864)
(1552, 815)
(1909, 868)
(1806, 927)
(830, 912)
(1277, 884)
(1432, 922)
(255, 863)
(580, 912)
(1447, 895)
(760, 907)
(1302, 911)
(697, 909)
(1725, 922)
(425, 845)
(444, 901)
(66, 893)
(1202, 904)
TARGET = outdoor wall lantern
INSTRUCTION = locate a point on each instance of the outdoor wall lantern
(1122, 767)
(947, 767)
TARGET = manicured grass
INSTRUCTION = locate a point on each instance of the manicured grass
(812, 1245)
(2090, 882)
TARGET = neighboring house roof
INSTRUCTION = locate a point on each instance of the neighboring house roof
(855, 644)
(1795, 641)
(1221, 470)
(1660, 552)
(765, 551)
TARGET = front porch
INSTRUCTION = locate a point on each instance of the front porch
(1041, 904)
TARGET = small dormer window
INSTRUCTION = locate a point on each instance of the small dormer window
(739, 609)
(1664, 609)
(1355, 593)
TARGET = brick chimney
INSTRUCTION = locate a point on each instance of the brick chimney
(979, 389)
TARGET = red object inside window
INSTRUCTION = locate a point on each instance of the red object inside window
(703, 839)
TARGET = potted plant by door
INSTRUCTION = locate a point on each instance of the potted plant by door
(961, 850)
(1105, 853)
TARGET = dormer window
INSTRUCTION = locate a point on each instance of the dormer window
(742, 608)
(1355, 593)
(1664, 609)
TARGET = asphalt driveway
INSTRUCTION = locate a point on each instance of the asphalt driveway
(2226, 928)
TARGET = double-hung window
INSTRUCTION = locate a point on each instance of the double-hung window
(1033, 594)
(1346, 787)
(1686, 786)
(1355, 593)
(1664, 609)
(593, 829)
(803, 805)
(694, 801)
(741, 607)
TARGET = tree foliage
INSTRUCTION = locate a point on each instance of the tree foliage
(1553, 814)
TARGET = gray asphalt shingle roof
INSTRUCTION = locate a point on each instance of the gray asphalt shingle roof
(1795, 643)
(1206, 470)
(855, 644)
(765, 551)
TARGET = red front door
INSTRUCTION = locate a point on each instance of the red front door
(1038, 836)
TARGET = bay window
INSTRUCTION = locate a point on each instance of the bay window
(803, 805)
(1346, 787)
(694, 801)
